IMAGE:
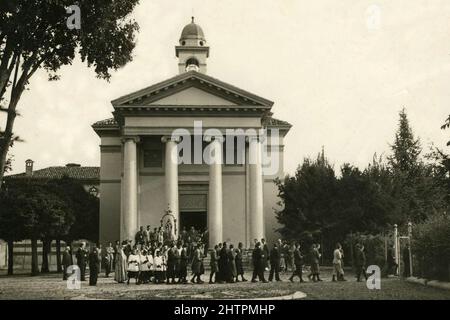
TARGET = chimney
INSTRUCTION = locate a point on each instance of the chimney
(29, 168)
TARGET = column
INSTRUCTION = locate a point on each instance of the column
(130, 197)
(256, 190)
(215, 221)
(171, 181)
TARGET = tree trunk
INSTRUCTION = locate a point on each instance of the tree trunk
(46, 248)
(17, 89)
(5, 142)
(34, 257)
(10, 258)
(58, 256)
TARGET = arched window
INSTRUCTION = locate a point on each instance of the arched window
(192, 61)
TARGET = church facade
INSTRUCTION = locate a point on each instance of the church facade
(191, 151)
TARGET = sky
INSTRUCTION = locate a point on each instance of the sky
(338, 71)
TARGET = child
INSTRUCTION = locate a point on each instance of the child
(144, 268)
(158, 266)
(133, 266)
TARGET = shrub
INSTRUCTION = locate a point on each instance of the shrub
(374, 247)
(431, 247)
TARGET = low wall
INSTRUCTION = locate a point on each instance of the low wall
(22, 254)
(3, 254)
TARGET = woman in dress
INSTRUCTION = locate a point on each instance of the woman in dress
(232, 264)
(109, 259)
(120, 271)
(239, 264)
(338, 271)
(213, 264)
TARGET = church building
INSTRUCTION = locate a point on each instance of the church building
(231, 194)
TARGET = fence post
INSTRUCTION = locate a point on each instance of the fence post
(410, 249)
(396, 248)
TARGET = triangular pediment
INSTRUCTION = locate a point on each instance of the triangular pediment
(190, 97)
(192, 89)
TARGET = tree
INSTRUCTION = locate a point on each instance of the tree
(34, 35)
(15, 220)
(415, 188)
(33, 211)
(85, 208)
(308, 200)
(406, 149)
(446, 125)
(55, 220)
(362, 203)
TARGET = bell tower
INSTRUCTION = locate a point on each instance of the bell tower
(192, 50)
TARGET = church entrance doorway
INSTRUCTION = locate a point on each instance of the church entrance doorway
(198, 220)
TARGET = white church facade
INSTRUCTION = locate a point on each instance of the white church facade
(148, 177)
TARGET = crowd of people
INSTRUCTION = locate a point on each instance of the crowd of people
(154, 259)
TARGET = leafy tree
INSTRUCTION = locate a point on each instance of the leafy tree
(308, 199)
(34, 35)
(16, 220)
(33, 211)
(318, 206)
(362, 204)
(55, 220)
(85, 208)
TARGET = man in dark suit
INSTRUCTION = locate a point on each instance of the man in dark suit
(224, 266)
(266, 250)
(239, 263)
(177, 254)
(259, 261)
(184, 260)
(66, 261)
(82, 259)
(147, 233)
(171, 263)
(94, 266)
(360, 262)
(298, 261)
(275, 257)
(140, 236)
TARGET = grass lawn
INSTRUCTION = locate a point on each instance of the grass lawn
(52, 287)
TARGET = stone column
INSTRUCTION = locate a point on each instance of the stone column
(130, 196)
(215, 219)
(171, 183)
(256, 190)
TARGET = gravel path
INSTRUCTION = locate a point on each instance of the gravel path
(52, 287)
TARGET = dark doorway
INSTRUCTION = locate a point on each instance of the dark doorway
(198, 220)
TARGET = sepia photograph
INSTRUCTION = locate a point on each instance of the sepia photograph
(230, 158)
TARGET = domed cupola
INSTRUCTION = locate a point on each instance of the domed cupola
(192, 51)
(192, 34)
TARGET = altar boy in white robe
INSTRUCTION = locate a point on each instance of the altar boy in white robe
(134, 262)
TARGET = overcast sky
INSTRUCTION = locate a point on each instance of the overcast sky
(338, 71)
